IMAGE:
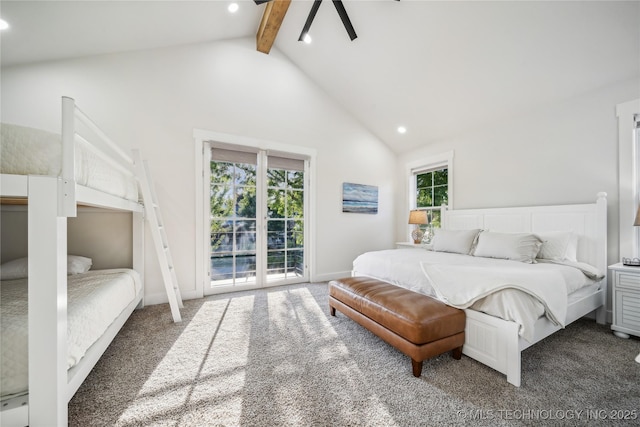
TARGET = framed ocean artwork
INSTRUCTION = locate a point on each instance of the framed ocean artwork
(358, 198)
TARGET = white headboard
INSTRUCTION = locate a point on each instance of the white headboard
(588, 221)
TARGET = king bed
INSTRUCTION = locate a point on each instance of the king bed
(519, 273)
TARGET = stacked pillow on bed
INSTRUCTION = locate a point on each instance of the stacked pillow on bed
(19, 268)
(523, 247)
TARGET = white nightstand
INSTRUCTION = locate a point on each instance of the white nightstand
(408, 245)
(401, 245)
(626, 300)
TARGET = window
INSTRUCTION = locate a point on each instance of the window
(628, 178)
(432, 191)
(430, 186)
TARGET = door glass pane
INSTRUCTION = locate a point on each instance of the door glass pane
(295, 234)
(245, 174)
(233, 223)
(296, 179)
(275, 263)
(275, 203)
(295, 204)
(295, 264)
(221, 236)
(285, 211)
(275, 234)
(277, 178)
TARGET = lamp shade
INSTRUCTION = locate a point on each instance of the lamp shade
(637, 221)
(417, 217)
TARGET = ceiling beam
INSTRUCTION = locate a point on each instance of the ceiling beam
(270, 25)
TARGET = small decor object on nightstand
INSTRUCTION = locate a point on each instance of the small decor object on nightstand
(428, 235)
(632, 262)
(417, 217)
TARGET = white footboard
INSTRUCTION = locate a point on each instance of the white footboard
(493, 342)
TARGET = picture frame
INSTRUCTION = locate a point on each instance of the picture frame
(359, 198)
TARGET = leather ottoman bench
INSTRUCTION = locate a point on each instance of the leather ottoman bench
(417, 325)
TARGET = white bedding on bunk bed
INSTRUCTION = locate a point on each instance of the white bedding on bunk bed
(95, 300)
(28, 151)
(510, 290)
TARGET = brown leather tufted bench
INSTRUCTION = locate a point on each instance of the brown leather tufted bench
(417, 325)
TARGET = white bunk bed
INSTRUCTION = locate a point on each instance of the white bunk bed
(50, 201)
(496, 342)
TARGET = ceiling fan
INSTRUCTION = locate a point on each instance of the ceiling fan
(275, 11)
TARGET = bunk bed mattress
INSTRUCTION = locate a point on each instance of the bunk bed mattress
(95, 300)
(28, 151)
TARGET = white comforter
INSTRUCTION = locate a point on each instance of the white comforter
(507, 289)
(95, 300)
(27, 151)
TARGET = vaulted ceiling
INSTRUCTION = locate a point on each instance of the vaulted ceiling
(439, 68)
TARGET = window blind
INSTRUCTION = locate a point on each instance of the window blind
(285, 163)
(275, 162)
(233, 156)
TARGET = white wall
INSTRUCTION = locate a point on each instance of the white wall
(557, 154)
(109, 245)
(154, 99)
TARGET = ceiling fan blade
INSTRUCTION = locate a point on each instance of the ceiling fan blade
(345, 19)
(312, 14)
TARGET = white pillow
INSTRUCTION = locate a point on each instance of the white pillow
(78, 264)
(456, 241)
(19, 268)
(16, 269)
(521, 247)
(558, 245)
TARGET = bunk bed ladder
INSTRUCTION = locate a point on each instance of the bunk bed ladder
(152, 213)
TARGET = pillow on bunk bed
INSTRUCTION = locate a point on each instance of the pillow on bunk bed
(558, 245)
(19, 268)
(523, 247)
(77, 264)
(454, 241)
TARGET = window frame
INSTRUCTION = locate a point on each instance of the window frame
(204, 140)
(426, 164)
(628, 178)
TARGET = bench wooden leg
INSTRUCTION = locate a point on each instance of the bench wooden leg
(417, 367)
(332, 310)
(456, 353)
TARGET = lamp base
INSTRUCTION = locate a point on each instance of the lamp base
(417, 235)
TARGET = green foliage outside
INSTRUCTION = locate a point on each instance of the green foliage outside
(431, 193)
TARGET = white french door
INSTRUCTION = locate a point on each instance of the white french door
(257, 211)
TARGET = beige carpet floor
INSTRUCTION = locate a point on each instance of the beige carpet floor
(275, 357)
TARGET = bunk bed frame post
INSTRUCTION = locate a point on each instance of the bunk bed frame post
(138, 248)
(67, 201)
(47, 290)
(601, 256)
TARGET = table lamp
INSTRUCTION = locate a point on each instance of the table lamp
(417, 217)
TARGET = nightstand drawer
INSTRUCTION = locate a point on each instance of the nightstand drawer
(628, 310)
(628, 280)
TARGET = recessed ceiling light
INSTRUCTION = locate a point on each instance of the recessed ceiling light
(402, 129)
(3, 24)
(233, 7)
(307, 38)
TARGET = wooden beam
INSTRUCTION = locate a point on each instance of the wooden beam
(270, 25)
